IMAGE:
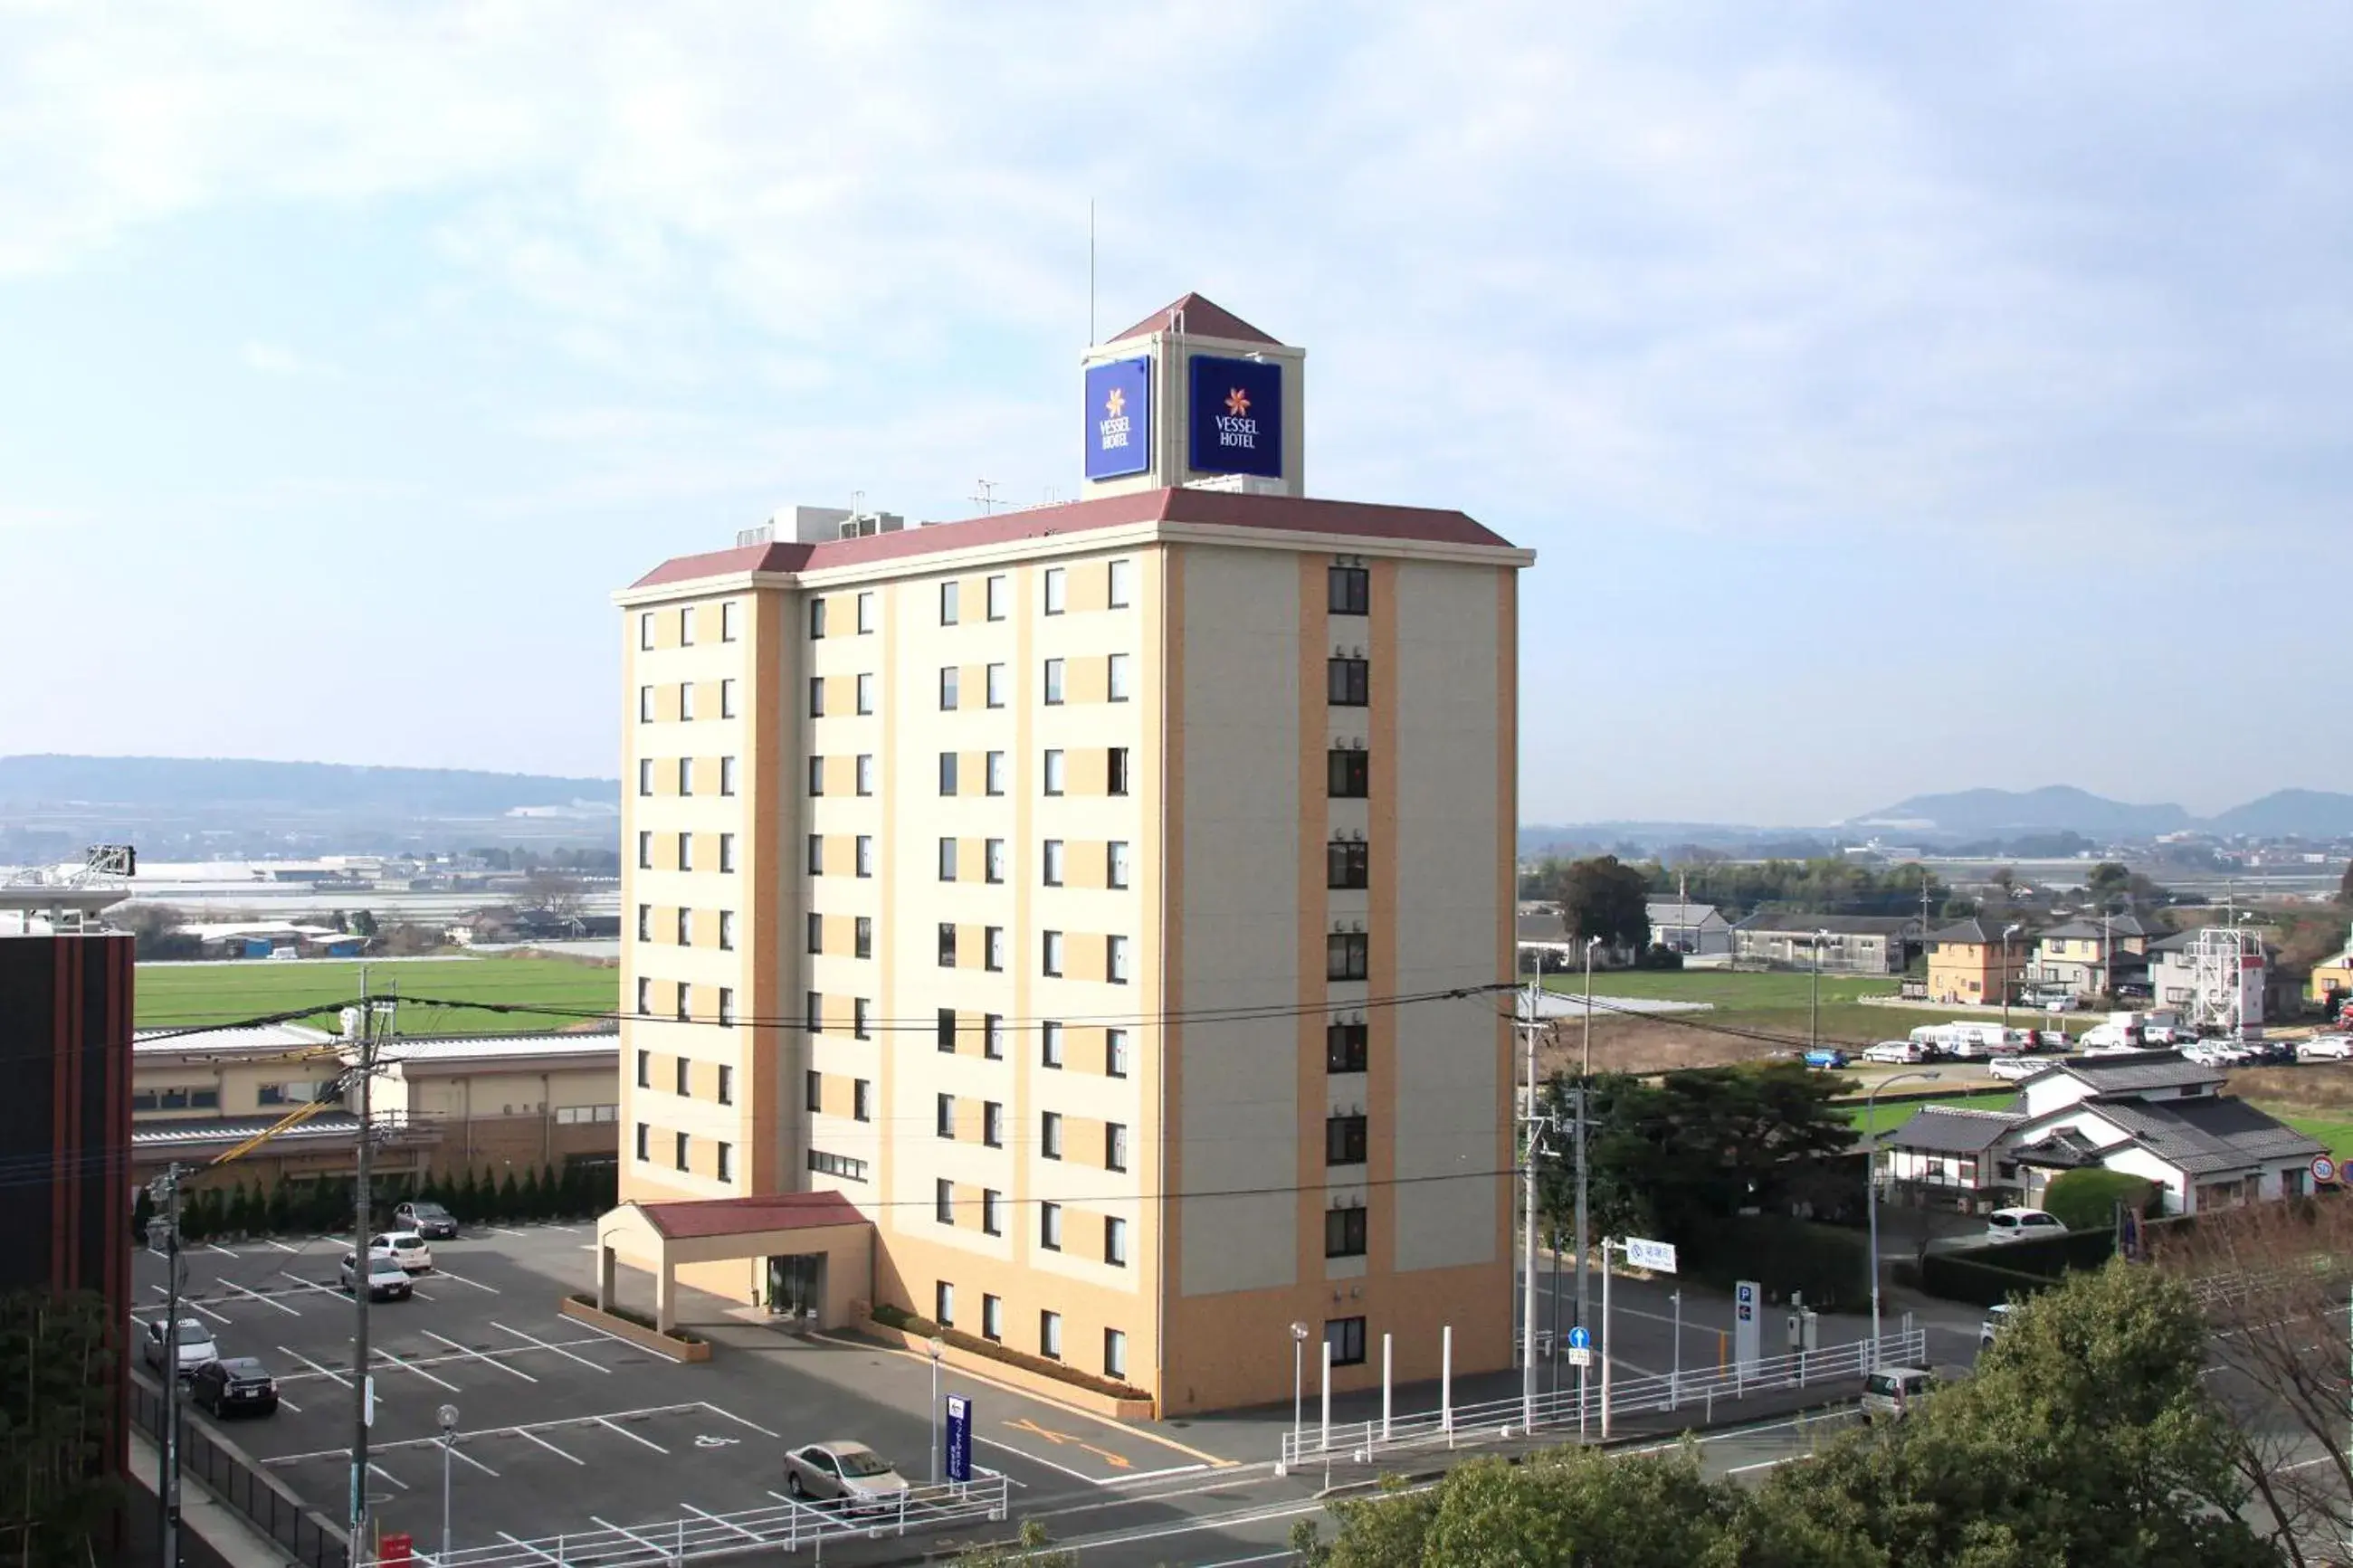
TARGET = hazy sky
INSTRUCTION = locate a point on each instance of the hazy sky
(1900, 398)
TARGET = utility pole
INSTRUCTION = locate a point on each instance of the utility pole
(362, 1377)
(167, 1486)
(1528, 1233)
(1583, 1083)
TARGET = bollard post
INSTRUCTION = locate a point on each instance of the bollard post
(1446, 1382)
(1385, 1389)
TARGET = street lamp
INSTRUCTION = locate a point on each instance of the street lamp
(1870, 1184)
(1584, 1086)
(448, 1417)
(1814, 996)
(938, 1347)
(1298, 1384)
(2007, 932)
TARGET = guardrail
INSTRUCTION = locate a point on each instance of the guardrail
(1501, 1420)
(786, 1527)
(237, 1480)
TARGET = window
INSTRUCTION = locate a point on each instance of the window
(1000, 596)
(1351, 774)
(1055, 582)
(841, 1165)
(731, 620)
(644, 776)
(1344, 1139)
(645, 1141)
(1115, 771)
(814, 1018)
(866, 773)
(1115, 1242)
(947, 1029)
(1049, 1328)
(992, 1124)
(726, 1006)
(1352, 590)
(686, 928)
(686, 699)
(944, 1117)
(1049, 1134)
(1053, 772)
(817, 620)
(686, 626)
(950, 678)
(1346, 1338)
(1052, 859)
(865, 612)
(992, 1036)
(678, 1149)
(644, 704)
(947, 859)
(726, 931)
(1051, 950)
(726, 775)
(1344, 1233)
(865, 693)
(727, 853)
(727, 697)
(685, 851)
(1115, 1146)
(726, 1078)
(992, 1212)
(1050, 1045)
(645, 922)
(996, 684)
(645, 638)
(992, 952)
(645, 1069)
(1348, 682)
(992, 1309)
(944, 1303)
(1346, 865)
(1116, 960)
(861, 1099)
(645, 851)
(1343, 1047)
(1053, 681)
(645, 996)
(859, 1026)
(1115, 678)
(727, 1164)
(992, 859)
(863, 849)
(816, 776)
(1115, 863)
(1116, 1053)
(861, 937)
(948, 604)
(817, 696)
(947, 772)
(685, 995)
(993, 773)
(1345, 955)
(1122, 584)
(948, 944)
(816, 854)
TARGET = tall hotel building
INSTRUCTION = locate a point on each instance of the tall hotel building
(1073, 891)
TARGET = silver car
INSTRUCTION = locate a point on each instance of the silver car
(843, 1470)
(185, 1350)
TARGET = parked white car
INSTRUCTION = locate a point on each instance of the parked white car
(1892, 1051)
(2326, 1048)
(849, 1471)
(2018, 1224)
(1997, 1319)
(2016, 1068)
(386, 1280)
(190, 1348)
(406, 1247)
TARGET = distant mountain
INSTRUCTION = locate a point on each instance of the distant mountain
(2301, 813)
(2000, 813)
(217, 784)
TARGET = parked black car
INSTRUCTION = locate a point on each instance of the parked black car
(237, 1386)
(429, 1220)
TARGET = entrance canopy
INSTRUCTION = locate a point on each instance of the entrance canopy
(661, 1237)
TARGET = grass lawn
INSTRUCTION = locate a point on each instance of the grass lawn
(189, 995)
(1778, 1003)
(1895, 1113)
(2333, 1129)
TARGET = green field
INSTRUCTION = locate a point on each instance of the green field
(1895, 1113)
(214, 995)
(2335, 1132)
(1776, 1003)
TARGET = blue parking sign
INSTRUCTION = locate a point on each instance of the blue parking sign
(959, 1439)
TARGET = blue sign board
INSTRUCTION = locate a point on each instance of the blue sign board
(1236, 414)
(959, 1465)
(1119, 417)
(1581, 1338)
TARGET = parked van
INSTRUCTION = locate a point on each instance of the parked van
(2111, 1039)
(1888, 1394)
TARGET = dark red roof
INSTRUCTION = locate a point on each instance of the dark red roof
(1220, 509)
(1197, 317)
(744, 1216)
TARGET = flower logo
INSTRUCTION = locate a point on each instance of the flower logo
(1237, 403)
(1116, 403)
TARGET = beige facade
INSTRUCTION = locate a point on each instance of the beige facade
(1065, 913)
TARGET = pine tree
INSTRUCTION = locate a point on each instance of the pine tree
(510, 1198)
(279, 1215)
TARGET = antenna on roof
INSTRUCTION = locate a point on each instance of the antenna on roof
(1090, 272)
(987, 499)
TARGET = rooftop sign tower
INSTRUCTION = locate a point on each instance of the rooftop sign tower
(1193, 395)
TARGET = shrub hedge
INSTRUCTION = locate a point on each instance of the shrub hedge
(323, 1205)
(1829, 1264)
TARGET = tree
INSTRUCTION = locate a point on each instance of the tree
(2345, 885)
(55, 1412)
(1606, 897)
(2108, 879)
(2087, 1199)
(552, 891)
(363, 922)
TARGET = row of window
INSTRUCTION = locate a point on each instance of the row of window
(862, 1096)
(1050, 955)
(722, 1154)
(996, 598)
(1050, 1041)
(686, 852)
(684, 1010)
(686, 927)
(1049, 1328)
(648, 704)
(723, 1090)
(1117, 687)
(1050, 1221)
(821, 1163)
(686, 773)
(584, 1115)
(731, 624)
(992, 1128)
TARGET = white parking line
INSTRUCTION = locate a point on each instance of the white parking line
(421, 1295)
(566, 1229)
(439, 1359)
(216, 1246)
(1009, 1481)
(314, 1366)
(632, 1535)
(387, 1475)
(289, 1404)
(384, 1359)
(1035, 1460)
(282, 1246)
(542, 1344)
(588, 1246)
(311, 1284)
(731, 1416)
(549, 1446)
(274, 1306)
(632, 1436)
(469, 1350)
(457, 1453)
(460, 1279)
(191, 1305)
(504, 1231)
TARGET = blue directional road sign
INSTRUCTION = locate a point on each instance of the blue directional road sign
(959, 1439)
(1581, 1338)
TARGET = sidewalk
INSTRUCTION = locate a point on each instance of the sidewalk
(212, 1535)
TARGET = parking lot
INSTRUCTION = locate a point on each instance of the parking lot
(563, 1428)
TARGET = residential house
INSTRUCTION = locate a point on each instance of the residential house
(1970, 963)
(2152, 1115)
(1849, 944)
(1696, 931)
(2083, 959)
(2332, 978)
(2262, 993)
(1543, 940)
